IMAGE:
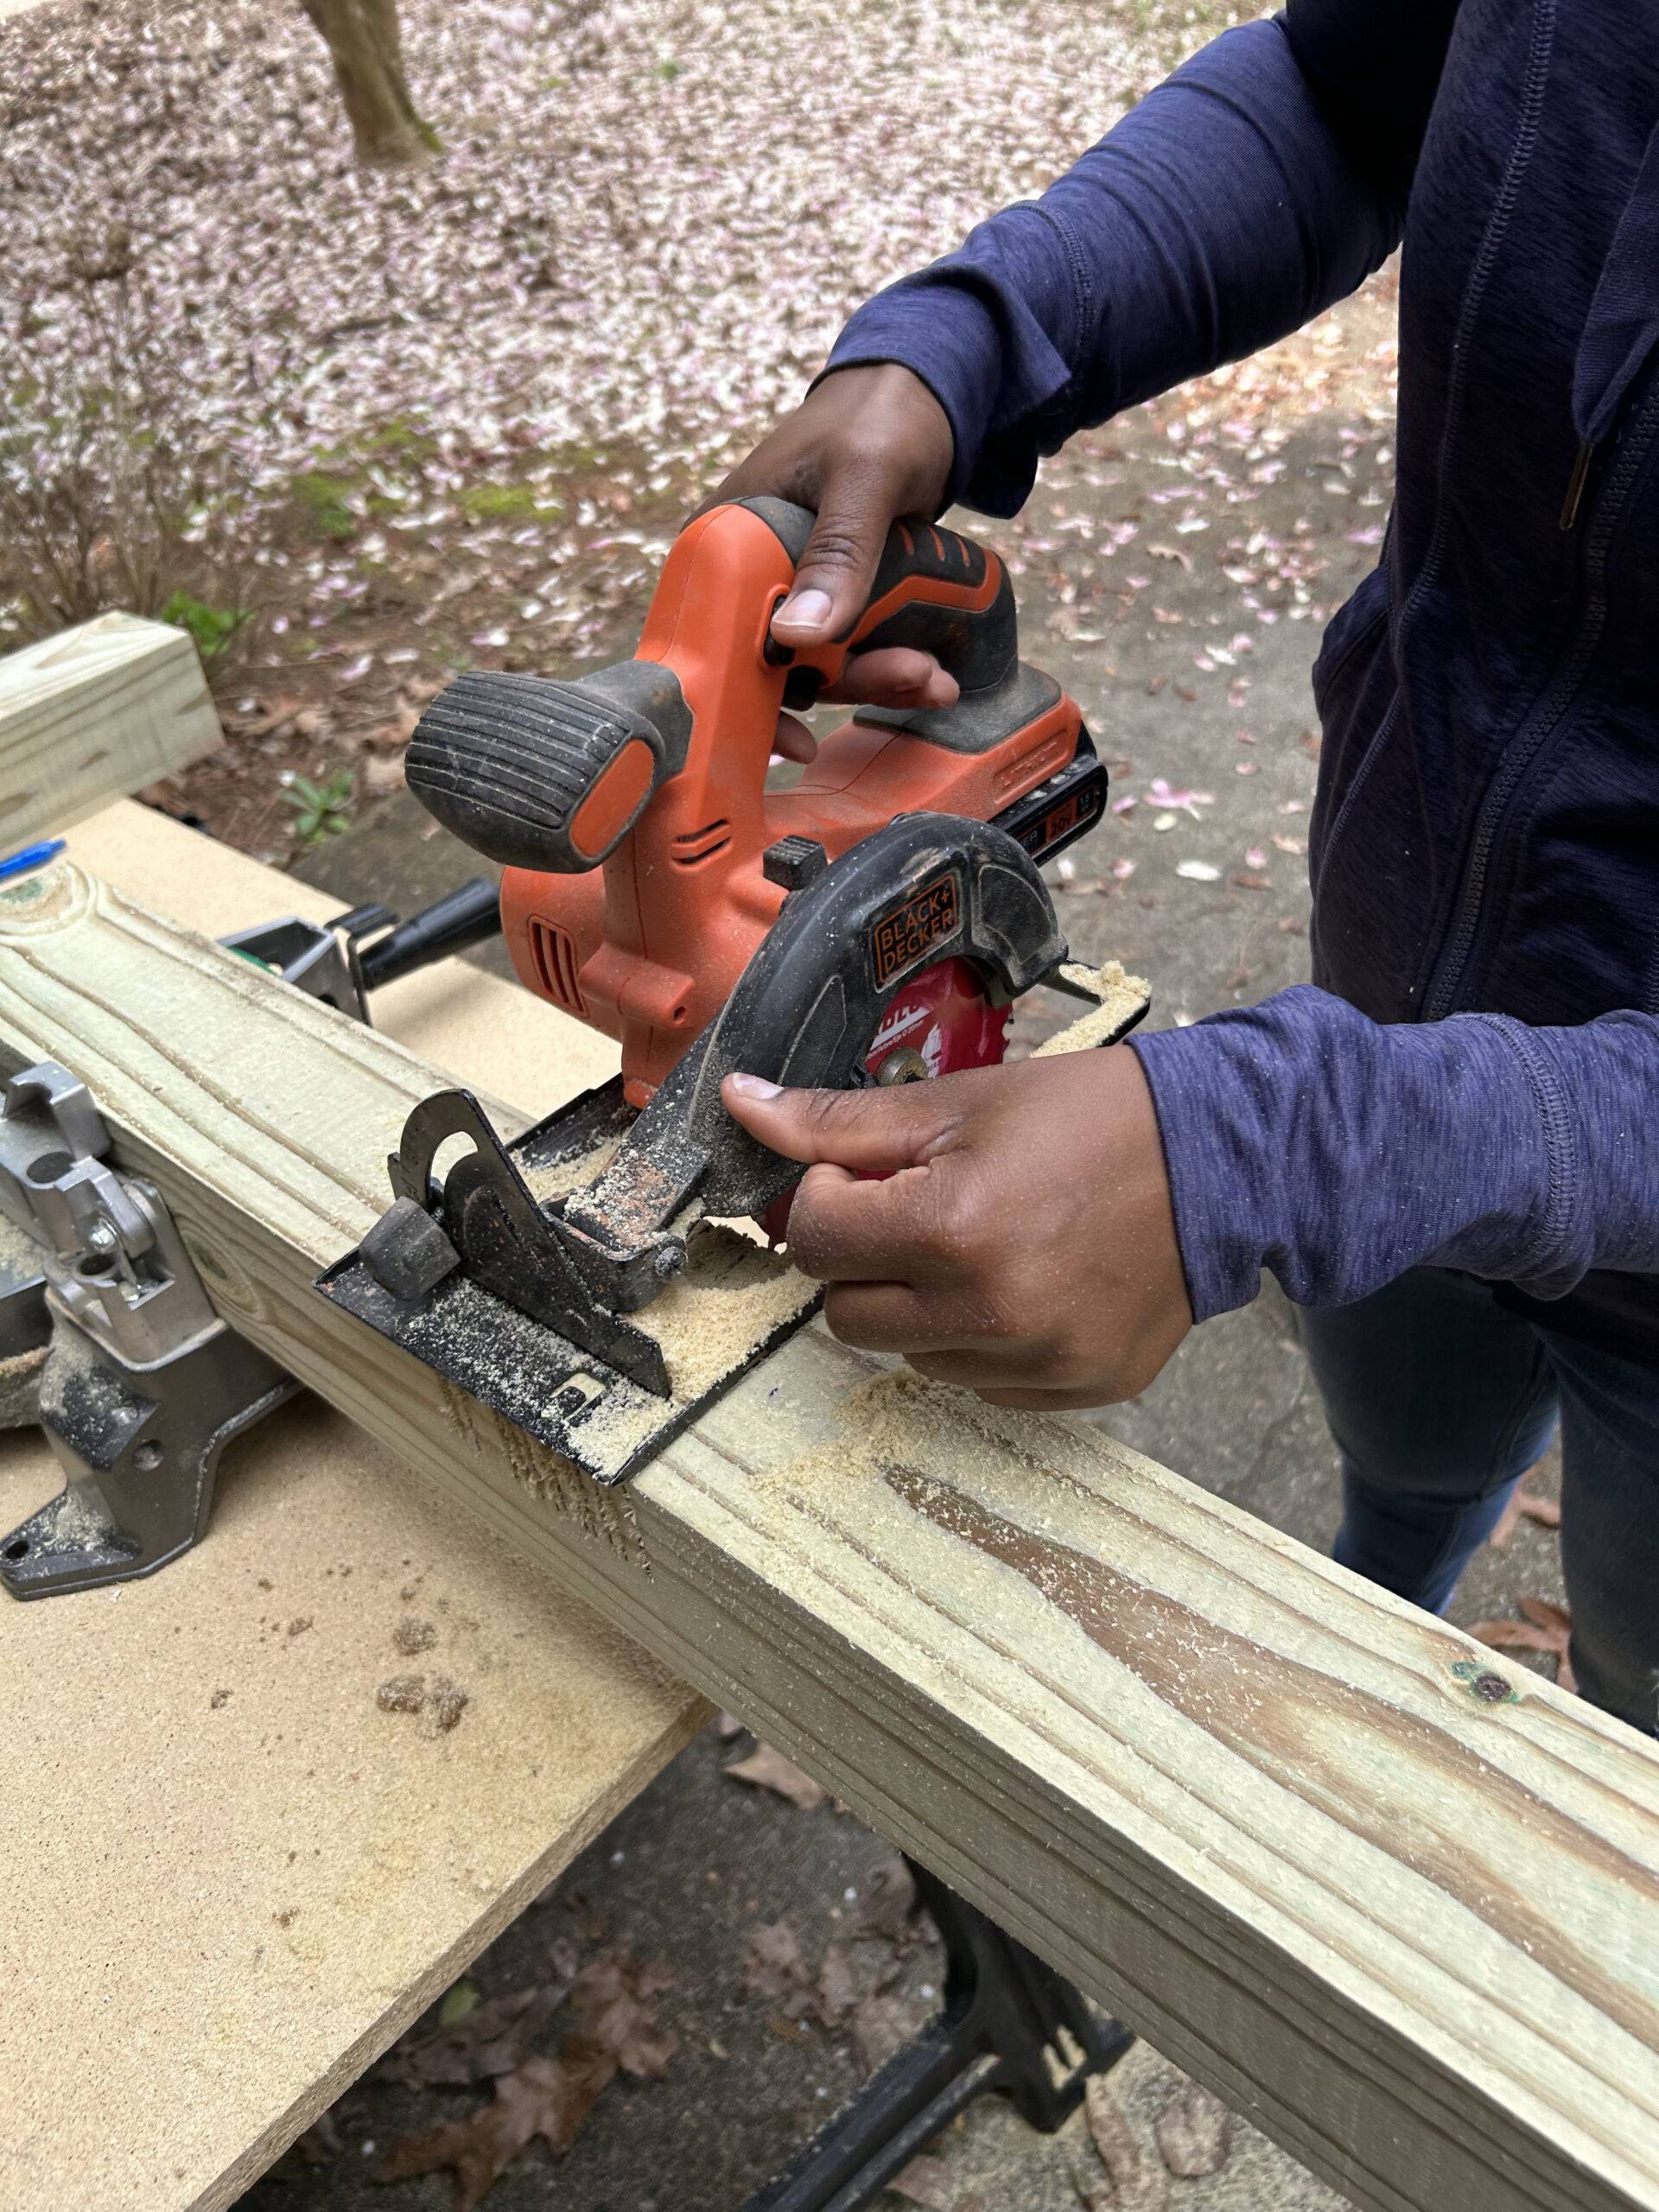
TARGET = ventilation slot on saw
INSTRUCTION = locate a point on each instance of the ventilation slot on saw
(701, 844)
(556, 964)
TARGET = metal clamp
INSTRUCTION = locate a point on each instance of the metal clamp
(342, 960)
(322, 959)
(116, 1348)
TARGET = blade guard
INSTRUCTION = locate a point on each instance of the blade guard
(928, 887)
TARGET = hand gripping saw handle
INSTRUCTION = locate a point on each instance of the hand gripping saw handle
(552, 775)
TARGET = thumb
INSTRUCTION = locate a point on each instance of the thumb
(835, 573)
(871, 1132)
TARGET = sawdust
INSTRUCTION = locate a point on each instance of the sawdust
(411, 1637)
(1122, 1000)
(556, 1179)
(473, 1327)
(403, 1693)
(897, 1420)
(20, 1378)
(706, 1333)
(900, 1418)
(74, 1521)
(735, 1295)
(449, 1701)
(445, 1700)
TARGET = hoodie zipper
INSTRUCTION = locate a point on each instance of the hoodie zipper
(1521, 755)
(1575, 484)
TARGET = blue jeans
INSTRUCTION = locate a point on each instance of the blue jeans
(1439, 1401)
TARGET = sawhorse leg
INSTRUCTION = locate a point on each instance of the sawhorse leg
(1008, 2023)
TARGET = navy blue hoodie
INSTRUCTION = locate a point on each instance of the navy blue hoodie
(1473, 1078)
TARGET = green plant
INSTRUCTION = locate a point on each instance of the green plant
(325, 500)
(114, 489)
(403, 438)
(503, 503)
(320, 811)
(213, 627)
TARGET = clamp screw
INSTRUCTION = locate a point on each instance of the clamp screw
(101, 1238)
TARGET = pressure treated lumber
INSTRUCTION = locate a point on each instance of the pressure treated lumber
(93, 714)
(1395, 1898)
(231, 1877)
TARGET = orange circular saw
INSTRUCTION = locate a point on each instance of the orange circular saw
(874, 923)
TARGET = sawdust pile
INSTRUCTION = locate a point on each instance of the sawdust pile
(1123, 999)
(19, 1384)
(557, 1179)
(441, 1699)
(733, 1296)
(707, 1331)
(898, 1418)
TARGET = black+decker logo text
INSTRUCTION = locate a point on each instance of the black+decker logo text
(927, 918)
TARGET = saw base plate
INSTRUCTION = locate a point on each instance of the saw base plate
(733, 1306)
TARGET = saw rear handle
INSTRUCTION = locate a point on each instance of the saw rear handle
(538, 772)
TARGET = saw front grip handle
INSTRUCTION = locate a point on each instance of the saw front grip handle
(535, 773)
(935, 591)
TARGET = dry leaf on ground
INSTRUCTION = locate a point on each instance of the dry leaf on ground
(1139, 2182)
(775, 1973)
(491, 2040)
(881, 2025)
(890, 1910)
(1523, 1505)
(548, 2097)
(1546, 1628)
(837, 1989)
(765, 1768)
(266, 716)
(321, 2141)
(925, 2181)
(613, 2000)
(1194, 2132)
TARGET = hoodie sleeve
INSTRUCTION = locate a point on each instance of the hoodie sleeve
(1337, 1152)
(1223, 211)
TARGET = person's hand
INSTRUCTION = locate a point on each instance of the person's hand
(1023, 1245)
(865, 447)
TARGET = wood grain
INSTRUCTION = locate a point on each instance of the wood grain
(1395, 1899)
(231, 1878)
(93, 714)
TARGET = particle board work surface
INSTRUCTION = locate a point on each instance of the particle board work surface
(232, 1876)
(94, 713)
(1393, 1898)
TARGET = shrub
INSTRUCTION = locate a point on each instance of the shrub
(114, 491)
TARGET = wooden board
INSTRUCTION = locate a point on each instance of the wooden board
(93, 714)
(220, 1907)
(1273, 1817)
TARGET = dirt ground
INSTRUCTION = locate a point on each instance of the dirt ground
(440, 476)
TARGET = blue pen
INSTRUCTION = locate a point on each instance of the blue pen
(31, 857)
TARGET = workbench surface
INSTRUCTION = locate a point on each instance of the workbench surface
(232, 1876)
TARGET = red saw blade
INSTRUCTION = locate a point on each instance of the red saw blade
(945, 1018)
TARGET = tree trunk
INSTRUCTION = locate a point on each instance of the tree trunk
(368, 57)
